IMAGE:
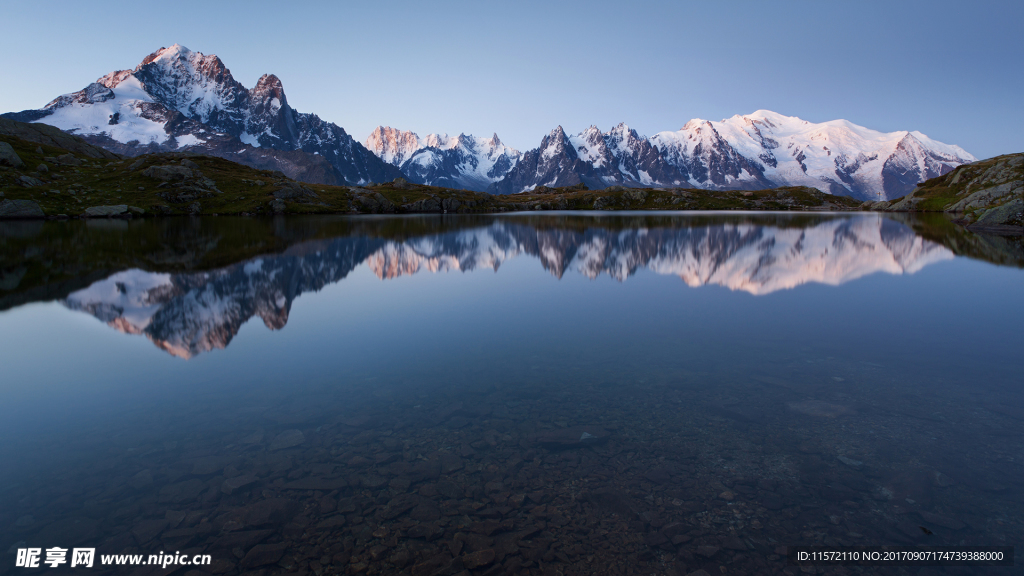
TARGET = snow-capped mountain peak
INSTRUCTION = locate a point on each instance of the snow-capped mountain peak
(462, 161)
(180, 99)
(391, 145)
(199, 86)
(176, 98)
(764, 149)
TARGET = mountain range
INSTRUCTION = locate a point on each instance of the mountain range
(179, 99)
(176, 99)
(190, 313)
(752, 152)
(440, 160)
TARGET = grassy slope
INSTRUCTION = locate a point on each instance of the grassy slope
(69, 190)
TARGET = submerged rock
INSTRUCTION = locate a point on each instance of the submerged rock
(287, 439)
(820, 409)
(572, 437)
(264, 554)
(232, 484)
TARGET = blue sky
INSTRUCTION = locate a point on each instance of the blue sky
(949, 69)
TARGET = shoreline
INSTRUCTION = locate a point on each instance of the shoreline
(124, 213)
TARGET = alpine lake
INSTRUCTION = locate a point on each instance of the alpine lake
(540, 394)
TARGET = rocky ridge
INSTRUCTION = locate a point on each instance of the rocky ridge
(62, 184)
(760, 150)
(985, 196)
(180, 100)
(462, 161)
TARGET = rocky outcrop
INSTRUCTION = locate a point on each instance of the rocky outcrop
(294, 192)
(20, 209)
(373, 202)
(106, 211)
(986, 196)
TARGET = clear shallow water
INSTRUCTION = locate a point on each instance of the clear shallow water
(740, 383)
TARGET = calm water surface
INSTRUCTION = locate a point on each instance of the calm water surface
(554, 394)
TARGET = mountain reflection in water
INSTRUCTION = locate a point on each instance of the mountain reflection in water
(592, 414)
(189, 313)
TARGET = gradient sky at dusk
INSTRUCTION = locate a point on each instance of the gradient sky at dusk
(949, 69)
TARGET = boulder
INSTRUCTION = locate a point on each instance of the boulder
(28, 181)
(401, 184)
(20, 209)
(106, 211)
(204, 182)
(168, 172)
(42, 168)
(9, 157)
(68, 160)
